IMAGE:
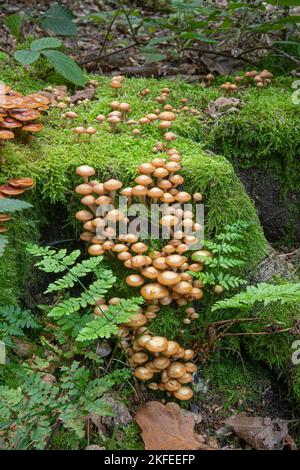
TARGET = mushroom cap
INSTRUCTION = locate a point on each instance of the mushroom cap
(115, 215)
(183, 393)
(143, 180)
(175, 260)
(165, 184)
(266, 74)
(28, 115)
(160, 172)
(164, 124)
(6, 135)
(167, 198)
(153, 291)
(167, 116)
(95, 250)
(143, 373)
(169, 220)
(155, 193)
(139, 190)
(10, 190)
(138, 261)
(139, 247)
(112, 185)
(124, 107)
(85, 171)
(150, 272)
(83, 215)
(183, 196)
(33, 127)
(160, 263)
(146, 168)
(88, 200)
(103, 200)
(134, 280)
(183, 287)
(84, 189)
(140, 357)
(10, 123)
(114, 120)
(168, 278)
(156, 344)
(172, 385)
(172, 348)
(161, 362)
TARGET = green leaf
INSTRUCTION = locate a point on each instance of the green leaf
(14, 23)
(3, 243)
(58, 19)
(66, 67)
(153, 57)
(13, 205)
(45, 43)
(197, 37)
(26, 57)
(284, 3)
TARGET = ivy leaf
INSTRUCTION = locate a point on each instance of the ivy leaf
(45, 43)
(66, 67)
(26, 57)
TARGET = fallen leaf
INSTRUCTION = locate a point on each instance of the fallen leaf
(222, 106)
(167, 427)
(261, 433)
(86, 94)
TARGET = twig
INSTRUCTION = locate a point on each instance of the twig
(255, 333)
(54, 431)
(107, 34)
(92, 59)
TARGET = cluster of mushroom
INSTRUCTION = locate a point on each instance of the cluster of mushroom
(14, 187)
(154, 357)
(261, 80)
(20, 113)
(116, 82)
(162, 275)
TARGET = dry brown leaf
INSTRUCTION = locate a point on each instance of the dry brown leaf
(166, 427)
(261, 433)
(86, 94)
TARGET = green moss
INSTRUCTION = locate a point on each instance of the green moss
(231, 381)
(52, 159)
(127, 438)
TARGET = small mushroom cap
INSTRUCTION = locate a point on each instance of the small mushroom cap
(139, 247)
(183, 287)
(10, 190)
(172, 385)
(134, 280)
(176, 369)
(143, 180)
(10, 123)
(6, 135)
(85, 171)
(167, 116)
(150, 272)
(175, 260)
(32, 127)
(143, 373)
(155, 193)
(113, 185)
(28, 115)
(183, 393)
(83, 215)
(153, 291)
(22, 183)
(183, 196)
(139, 190)
(168, 278)
(156, 344)
(95, 250)
(146, 168)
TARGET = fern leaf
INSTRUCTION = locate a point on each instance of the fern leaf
(97, 289)
(263, 292)
(99, 328)
(76, 272)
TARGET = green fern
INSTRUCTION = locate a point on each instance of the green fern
(53, 261)
(14, 321)
(224, 266)
(106, 326)
(264, 293)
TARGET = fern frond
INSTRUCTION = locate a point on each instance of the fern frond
(97, 289)
(71, 278)
(53, 261)
(263, 292)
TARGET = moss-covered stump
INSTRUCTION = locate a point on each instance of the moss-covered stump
(51, 160)
(262, 141)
